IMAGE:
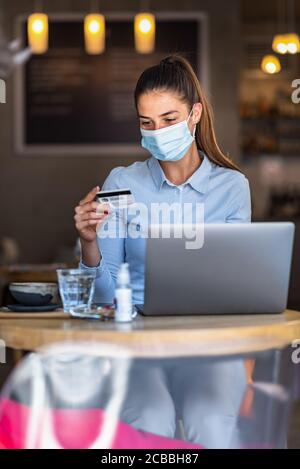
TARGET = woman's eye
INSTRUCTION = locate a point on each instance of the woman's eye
(145, 123)
(170, 120)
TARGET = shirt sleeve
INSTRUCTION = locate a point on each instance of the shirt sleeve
(239, 207)
(111, 242)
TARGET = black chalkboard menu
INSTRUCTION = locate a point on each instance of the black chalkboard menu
(69, 98)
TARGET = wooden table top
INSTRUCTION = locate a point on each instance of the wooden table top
(161, 336)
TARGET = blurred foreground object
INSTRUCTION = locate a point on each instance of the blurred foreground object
(70, 396)
(11, 54)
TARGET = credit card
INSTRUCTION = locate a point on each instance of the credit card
(119, 198)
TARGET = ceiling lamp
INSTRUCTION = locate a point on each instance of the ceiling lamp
(144, 33)
(94, 33)
(37, 29)
(288, 42)
(292, 43)
(270, 64)
(279, 44)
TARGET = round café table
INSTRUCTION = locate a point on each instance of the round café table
(175, 336)
(262, 341)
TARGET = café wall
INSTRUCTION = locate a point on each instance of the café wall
(38, 193)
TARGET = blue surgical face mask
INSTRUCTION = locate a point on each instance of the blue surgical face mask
(169, 143)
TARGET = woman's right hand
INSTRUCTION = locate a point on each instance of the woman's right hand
(88, 214)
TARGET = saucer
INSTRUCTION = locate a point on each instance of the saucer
(94, 312)
(32, 309)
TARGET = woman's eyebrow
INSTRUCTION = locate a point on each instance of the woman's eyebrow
(161, 115)
(166, 113)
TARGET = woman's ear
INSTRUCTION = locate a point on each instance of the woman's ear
(197, 111)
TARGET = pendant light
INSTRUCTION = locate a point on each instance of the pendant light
(144, 30)
(38, 30)
(286, 42)
(270, 64)
(94, 31)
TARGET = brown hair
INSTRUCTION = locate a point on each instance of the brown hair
(176, 74)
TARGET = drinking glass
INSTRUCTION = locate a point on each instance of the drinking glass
(76, 287)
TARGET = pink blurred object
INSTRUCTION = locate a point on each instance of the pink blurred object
(76, 429)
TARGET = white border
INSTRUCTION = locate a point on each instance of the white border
(100, 149)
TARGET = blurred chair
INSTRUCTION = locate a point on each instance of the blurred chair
(70, 396)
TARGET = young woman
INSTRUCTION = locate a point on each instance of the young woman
(186, 166)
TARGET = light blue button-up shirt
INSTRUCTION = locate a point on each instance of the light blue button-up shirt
(224, 193)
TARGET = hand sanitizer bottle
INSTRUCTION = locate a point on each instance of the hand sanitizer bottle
(123, 295)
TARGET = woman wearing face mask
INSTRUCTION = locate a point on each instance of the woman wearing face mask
(186, 166)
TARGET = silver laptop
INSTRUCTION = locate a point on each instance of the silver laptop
(240, 269)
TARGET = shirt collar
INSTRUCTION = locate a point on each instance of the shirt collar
(199, 179)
